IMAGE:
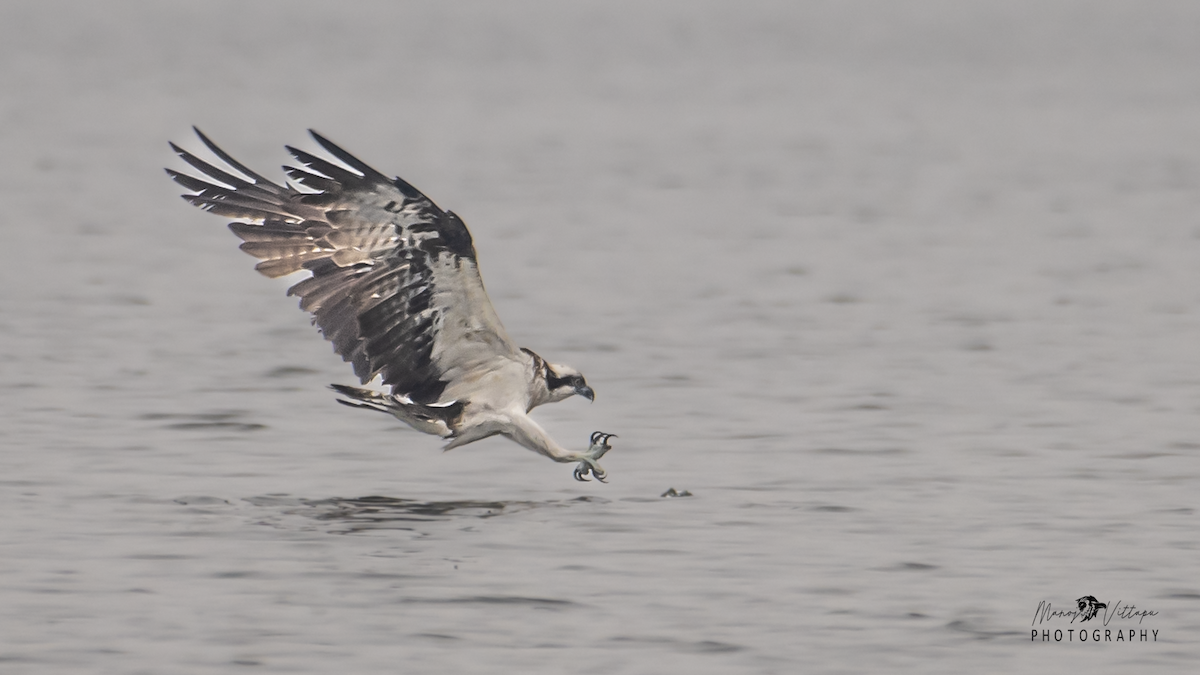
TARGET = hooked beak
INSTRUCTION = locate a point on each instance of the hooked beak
(586, 392)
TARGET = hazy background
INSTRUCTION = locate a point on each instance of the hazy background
(906, 293)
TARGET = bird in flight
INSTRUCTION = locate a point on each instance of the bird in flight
(394, 284)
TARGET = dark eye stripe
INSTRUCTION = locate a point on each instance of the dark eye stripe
(554, 382)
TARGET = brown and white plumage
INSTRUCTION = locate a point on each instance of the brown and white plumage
(395, 286)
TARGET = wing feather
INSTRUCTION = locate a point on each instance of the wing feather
(310, 180)
(321, 166)
(317, 291)
(279, 232)
(224, 157)
(350, 160)
(247, 187)
(394, 283)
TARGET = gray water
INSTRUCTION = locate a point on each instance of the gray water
(905, 295)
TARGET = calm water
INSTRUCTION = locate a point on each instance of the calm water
(907, 299)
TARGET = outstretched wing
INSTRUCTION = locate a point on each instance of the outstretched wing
(395, 285)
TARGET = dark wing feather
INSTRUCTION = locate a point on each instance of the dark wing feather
(394, 286)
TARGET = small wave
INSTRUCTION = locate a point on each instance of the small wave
(377, 512)
(206, 421)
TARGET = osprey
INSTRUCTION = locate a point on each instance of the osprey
(395, 286)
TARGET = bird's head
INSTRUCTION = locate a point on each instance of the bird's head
(564, 381)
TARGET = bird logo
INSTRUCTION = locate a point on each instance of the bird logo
(1089, 606)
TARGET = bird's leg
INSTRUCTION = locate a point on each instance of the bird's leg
(587, 464)
(525, 431)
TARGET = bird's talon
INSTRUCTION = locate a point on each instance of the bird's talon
(601, 438)
(587, 467)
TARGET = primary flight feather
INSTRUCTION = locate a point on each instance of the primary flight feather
(395, 286)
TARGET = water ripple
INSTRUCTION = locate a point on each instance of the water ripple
(376, 512)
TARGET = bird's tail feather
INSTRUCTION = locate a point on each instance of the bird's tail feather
(441, 419)
(371, 400)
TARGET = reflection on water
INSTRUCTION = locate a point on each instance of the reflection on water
(672, 493)
(381, 513)
(229, 420)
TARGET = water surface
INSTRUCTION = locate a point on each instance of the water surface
(904, 296)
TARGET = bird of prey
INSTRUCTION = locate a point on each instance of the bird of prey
(394, 284)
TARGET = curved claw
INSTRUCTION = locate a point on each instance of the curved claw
(599, 437)
(589, 467)
(599, 446)
(581, 472)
